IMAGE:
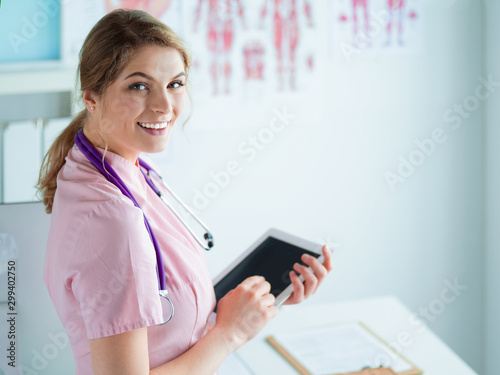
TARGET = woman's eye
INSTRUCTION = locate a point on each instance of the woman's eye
(176, 84)
(138, 86)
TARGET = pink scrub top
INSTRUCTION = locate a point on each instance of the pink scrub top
(100, 265)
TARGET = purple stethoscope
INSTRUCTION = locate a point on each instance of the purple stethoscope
(150, 174)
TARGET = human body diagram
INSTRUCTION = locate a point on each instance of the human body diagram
(220, 36)
(286, 34)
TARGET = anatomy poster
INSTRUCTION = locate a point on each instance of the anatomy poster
(216, 29)
(290, 28)
(373, 27)
(242, 47)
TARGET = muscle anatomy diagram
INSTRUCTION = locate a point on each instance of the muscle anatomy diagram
(396, 14)
(286, 33)
(220, 35)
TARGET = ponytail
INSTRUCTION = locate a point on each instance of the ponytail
(55, 159)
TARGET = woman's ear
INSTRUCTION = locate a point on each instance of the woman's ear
(90, 100)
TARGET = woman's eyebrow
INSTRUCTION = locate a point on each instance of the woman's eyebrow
(180, 75)
(147, 76)
(140, 74)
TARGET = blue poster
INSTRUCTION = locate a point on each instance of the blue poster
(30, 31)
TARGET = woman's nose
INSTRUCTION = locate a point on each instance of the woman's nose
(161, 103)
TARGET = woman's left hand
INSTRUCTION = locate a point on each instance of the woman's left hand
(312, 278)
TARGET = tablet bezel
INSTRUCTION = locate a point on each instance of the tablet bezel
(282, 236)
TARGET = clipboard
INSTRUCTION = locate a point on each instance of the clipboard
(284, 345)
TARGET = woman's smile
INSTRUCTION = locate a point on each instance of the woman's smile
(155, 128)
(154, 125)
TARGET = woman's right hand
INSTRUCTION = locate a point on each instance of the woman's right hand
(241, 314)
(245, 310)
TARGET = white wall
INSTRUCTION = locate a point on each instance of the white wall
(323, 176)
(491, 323)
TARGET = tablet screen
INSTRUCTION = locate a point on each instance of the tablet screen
(273, 259)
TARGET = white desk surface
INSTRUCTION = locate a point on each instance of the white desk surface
(385, 316)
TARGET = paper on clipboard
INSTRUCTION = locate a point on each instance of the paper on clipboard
(234, 365)
(339, 349)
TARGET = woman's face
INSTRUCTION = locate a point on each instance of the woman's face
(143, 104)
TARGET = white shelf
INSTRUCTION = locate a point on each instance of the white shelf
(26, 82)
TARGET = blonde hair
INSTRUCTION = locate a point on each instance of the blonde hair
(103, 57)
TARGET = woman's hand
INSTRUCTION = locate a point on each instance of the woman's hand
(245, 310)
(312, 279)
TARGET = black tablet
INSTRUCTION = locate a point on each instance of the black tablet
(272, 256)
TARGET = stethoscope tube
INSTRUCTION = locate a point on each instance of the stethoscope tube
(107, 171)
(207, 236)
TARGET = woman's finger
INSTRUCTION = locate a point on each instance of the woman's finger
(262, 287)
(327, 258)
(310, 280)
(317, 267)
(298, 290)
(251, 281)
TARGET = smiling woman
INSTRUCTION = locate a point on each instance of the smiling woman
(113, 248)
(112, 44)
(140, 108)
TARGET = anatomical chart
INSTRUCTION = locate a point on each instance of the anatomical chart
(215, 34)
(361, 28)
(292, 25)
(238, 46)
(258, 45)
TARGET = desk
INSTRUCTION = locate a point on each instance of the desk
(386, 316)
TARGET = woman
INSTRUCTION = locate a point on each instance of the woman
(100, 261)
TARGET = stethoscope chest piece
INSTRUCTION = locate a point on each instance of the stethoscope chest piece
(167, 307)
